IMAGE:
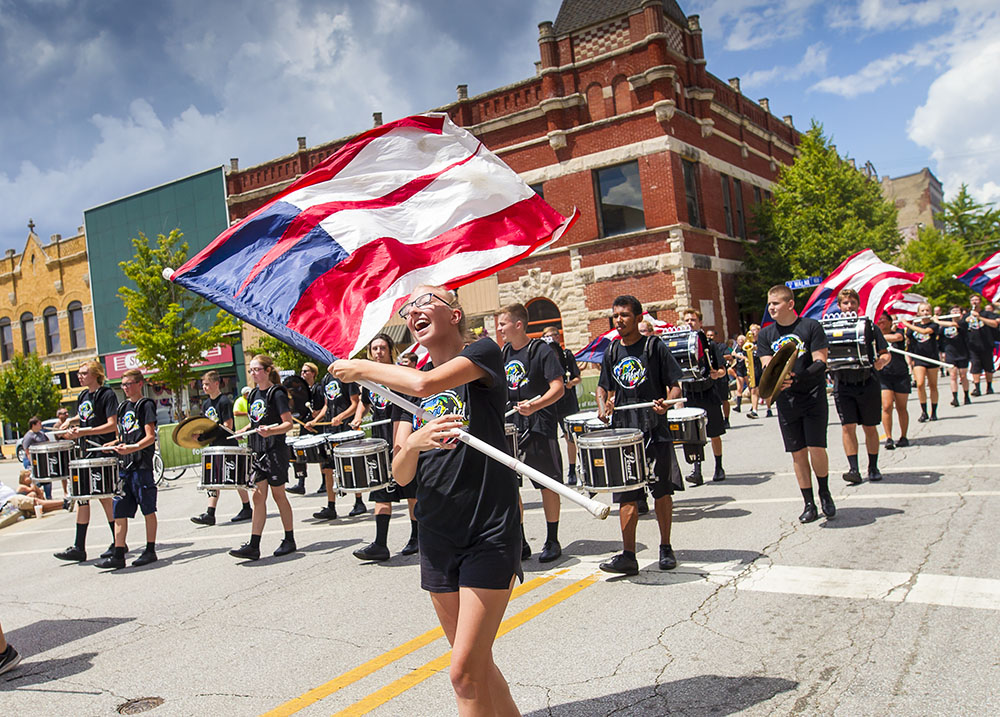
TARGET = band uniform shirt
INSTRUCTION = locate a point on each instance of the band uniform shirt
(897, 365)
(980, 335)
(133, 417)
(874, 344)
(337, 395)
(954, 341)
(381, 409)
(639, 374)
(464, 497)
(711, 356)
(265, 409)
(809, 336)
(569, 403)
(925, 345)
(220, 410)
(528, 371)
(94, 409)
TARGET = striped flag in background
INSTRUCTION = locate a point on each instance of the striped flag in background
(905, 306)
(326, 263)
(984, 277)
(876, 282)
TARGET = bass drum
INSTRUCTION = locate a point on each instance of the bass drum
(687, 347)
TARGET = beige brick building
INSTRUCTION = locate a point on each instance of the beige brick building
(918, 199)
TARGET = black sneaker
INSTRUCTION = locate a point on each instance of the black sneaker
(358, 509)
(286, 546)
(890, 445)
(903, 442)
(968, 401)
(411, 548)
(852, 477)
(769, 414)
(954, 402)
(695, 478)
(9, 659)
(73, 554)
(752, 414)
(147, 557)
(525, 550)
(321, 491)
(726, 424)
(246, 513)
(923, 418)
(112, 563)
(989, 389)
(298, 489)
(550, 551)
(827, 504)
(327, 513)
(571, 476)
(246, 551)
(720, 475)
(809, 514)
(976, 392)
(874, 475)
(621, 564)
(373, 552)
(204, 519)
(668, 561)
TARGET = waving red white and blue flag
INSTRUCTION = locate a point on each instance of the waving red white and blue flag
(594, 351)
(876, 282)
(984, 277)
(326, 263)
(905, 305)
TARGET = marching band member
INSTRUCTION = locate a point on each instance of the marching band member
(96, 411)
(954, 340)
(339, 405)
(271, 419)
(857, 395)
(533, 369)
(753, 332)
(467, 503)
(921, 339)
(982, 324)
(219, 408)
(317, 399)
(704, 393)
(640, 369)
(136, 418)
(894, 379)
(380, 350)
(569, 403)
(803, 410)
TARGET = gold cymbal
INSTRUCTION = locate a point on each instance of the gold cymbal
(191, 432)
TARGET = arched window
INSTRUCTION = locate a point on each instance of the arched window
(27, 333)
(6, 340)
(623, 95)
(542, 313)
(595, 102)
(77, 334)
(51, 322)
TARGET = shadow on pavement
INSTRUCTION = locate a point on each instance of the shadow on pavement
(720, 555)
(708, 507)
(44, 635)
(913, 478)
(857, 517)
(702, 695)
(941, 440)
(35, 672)
(329, 546)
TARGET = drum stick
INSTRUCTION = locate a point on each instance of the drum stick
(921, 358)
(375, 423)
(512, 411)
(650, 404)
(102, 448)
(248, 431)
(594, 507)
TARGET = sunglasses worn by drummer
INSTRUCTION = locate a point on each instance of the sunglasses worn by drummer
(419, 303)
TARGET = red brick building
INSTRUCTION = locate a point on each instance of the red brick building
(622, 120)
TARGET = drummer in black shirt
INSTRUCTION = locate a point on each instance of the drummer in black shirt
(317, 400)
(954, 342)
(803, 410)
(894, 379)
(982, 325)
(219, 408)
(640, 369)
(340, 403)
(922, 339)
(533, 369)
(856, 394)
(569, 403)
(703, 393)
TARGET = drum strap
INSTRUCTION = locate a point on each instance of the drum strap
(126, 462)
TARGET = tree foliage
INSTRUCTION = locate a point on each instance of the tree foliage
(26, 390)
(940, 257)
(285, 357)
(976, 226)
(162, 318)
(822, 211)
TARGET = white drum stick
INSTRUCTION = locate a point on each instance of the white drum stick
(512, 411)
(650, 404)
(248, 431)
(375, 423)
(918, 357)
(102, 448)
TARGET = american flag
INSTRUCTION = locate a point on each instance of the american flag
(876, 282)
(905, 306)
(594, 351)
(984, 277)
(326, 263)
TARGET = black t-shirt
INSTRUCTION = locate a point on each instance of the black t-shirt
(337, 395)
(381, 409)
(711, 356)
(133, 417)
(463, 497)
(954, 341)
(980, 335)
(875, 344)
(569, 403)
(897, 365)
(220, 410)
(529, 371)
(925, 345)
(808, 334)
(264, 408)
(94, 409)
(639, 373)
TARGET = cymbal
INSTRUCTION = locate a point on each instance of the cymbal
(185, 432)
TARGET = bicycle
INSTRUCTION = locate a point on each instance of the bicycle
(161, 473)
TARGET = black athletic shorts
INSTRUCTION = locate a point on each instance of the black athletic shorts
(859, 402)
(271, 467)
(445, 568)
(960, 362)
(981, 361)
(394, 493)
(660, 483)
(803, 418)
(713, 407)
(722, 388)
(896, 382)
(543, 455)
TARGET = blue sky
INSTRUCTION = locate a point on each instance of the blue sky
(102, 99)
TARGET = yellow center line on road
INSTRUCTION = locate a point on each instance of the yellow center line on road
(439, 664)
(387, 658)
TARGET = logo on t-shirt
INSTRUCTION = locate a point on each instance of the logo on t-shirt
(789, 338)
(379, 402)
(332, 390)
(516, 374)
(921, 338)
(974, 323)
(442, 404)
(629, 372)
(257, 410)
(950, 332)
(129, 422)
(86, 410)
(212, 413)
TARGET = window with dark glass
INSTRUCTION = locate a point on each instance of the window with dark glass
(619, 199)
(27, 333)
(727, 205)
(756, 194)
(542, 313)
(51, 322)
(741, 224)
(691, 192)
(6, 340)
(538, 189)
(77, 334)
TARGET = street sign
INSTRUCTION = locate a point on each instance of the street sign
(796, 284)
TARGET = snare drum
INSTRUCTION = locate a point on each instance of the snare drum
(311, 449)
(290, 444)
(362, 465)
(613, 459)
(225, 467)
(687, 347)
(848, 338)
(689, 427)
(93, 478)
(510, 431)
(50, 460)
(336, 439)
(579, 423)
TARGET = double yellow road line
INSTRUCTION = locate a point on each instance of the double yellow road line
(415, 677)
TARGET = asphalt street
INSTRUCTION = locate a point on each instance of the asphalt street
(890, 608)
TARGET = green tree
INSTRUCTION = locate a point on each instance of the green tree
(940, 257)
(822, 211)
(975, 225)
(284, 356)
(162, 318)
(26, 390)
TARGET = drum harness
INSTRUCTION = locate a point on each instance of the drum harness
(126, 462)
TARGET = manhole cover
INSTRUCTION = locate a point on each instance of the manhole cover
(137, 706)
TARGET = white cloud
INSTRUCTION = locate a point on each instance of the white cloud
(880, 72)
(754, 24)
(813, 62)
